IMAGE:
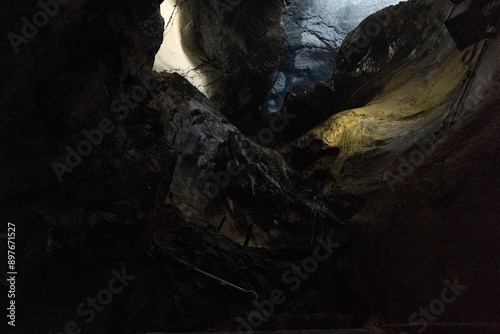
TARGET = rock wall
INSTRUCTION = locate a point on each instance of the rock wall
(407, 154)
(106, 165)
(235, 50)
(100, 162)
(314, 31)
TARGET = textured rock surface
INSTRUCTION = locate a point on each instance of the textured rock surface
(137, 200)
(222, 174)
(424, 184)
(130, 202)
(315, 30)
(235, 46)
(401, 102)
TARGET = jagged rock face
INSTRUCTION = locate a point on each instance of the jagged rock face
(409, 155)
(309, 106)
(135, 200)
(129, 201)
(235, 47)
(398, 107)
(383, 42)
(222, 175)
(62, 80)
(315, 30)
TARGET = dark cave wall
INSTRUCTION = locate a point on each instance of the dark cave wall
(243, 40)
(111, 210)
(386, 41)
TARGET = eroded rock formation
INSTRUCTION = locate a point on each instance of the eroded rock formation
(168, 189)
(314, 31)
(233, 46)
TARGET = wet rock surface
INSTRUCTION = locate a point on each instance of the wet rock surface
(234, 45)
(202, 224)
(309, 106)
(394, 158)
(314, 31)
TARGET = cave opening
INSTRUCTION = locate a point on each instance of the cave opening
(298, 166)
(312, 31)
